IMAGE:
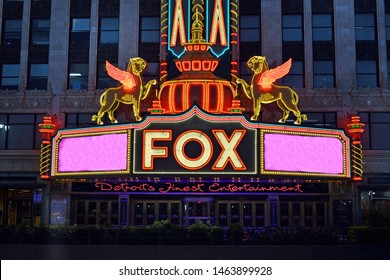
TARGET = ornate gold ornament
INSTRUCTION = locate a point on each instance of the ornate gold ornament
(132, 90)
(263, 90)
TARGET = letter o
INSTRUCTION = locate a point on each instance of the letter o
(202, 159)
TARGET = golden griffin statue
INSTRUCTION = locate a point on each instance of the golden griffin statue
(132, 90)
(263, 90)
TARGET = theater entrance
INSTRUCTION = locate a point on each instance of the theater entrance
(198, 209)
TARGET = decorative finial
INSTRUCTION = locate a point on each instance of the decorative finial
(197, 24)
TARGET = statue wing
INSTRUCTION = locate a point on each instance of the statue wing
(270, 76)
(126, 78)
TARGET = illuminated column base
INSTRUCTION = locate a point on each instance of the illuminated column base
(47, 129)
(156, 108)
(355, 128)
(236, 109)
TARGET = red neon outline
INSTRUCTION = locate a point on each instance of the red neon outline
(196, 48)
(186, 65)
(178, 65)
(178, 23)
(206, 65)
(189, 48)
(214, 65)
(218, 24)
(177, 96)
(219, 98)
(187, 91)
(234, 149)
(152, 143)
(202, 153)
(196, 65)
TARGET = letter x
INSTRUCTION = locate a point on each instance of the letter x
(229, 152)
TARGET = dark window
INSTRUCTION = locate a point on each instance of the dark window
(40, 31)
(250, 28)
(78, 76)
(323, 72)
(365, 27)
(295, 76)
(150, 29)
(292, 28)
(79, 120)
(152, 71)
(366, 71)
(109, 31)
(80, 31)
(245, 72)
(322, 27)
(10, 76)
(38, 76)
(105, 81)
(376, 130)
(321, 119)
(20, 131)
(388, 70)
(12, 33)
(387, 27)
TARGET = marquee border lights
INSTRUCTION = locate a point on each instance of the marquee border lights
(88, 133)
(340, 135)
(240, 121)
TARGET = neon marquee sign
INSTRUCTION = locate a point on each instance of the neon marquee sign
(201, 144)
(217, 27)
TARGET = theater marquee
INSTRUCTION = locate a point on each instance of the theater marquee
(199, 143)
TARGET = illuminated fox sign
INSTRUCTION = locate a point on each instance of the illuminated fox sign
(216, 22)
(228, 145)
(195, 146)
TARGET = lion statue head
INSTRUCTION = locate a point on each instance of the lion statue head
(136, 65)
(257, 64)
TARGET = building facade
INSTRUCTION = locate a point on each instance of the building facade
(53, 55)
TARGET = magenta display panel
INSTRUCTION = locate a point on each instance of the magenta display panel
(107, 152)
(306, 154)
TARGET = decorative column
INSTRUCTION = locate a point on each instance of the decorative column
(47, 129)
(163, 41)
(234, 59)
(355, 129)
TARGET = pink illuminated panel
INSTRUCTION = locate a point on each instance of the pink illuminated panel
(106, 152)
(301, 153)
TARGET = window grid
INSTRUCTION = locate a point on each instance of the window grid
(10, 76)
(40, 31)
(366, 73)
(78, 76)
(150, 30)
(109, 31)
(104, 80)
(323, 73)
(322, 27)
(14, 125)
(38, 76)
(365, 27)
(250, 28)
(80, 31)
(295, 78)
(376, 130)
(12, 32)
(80, 120)
(292, 28)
